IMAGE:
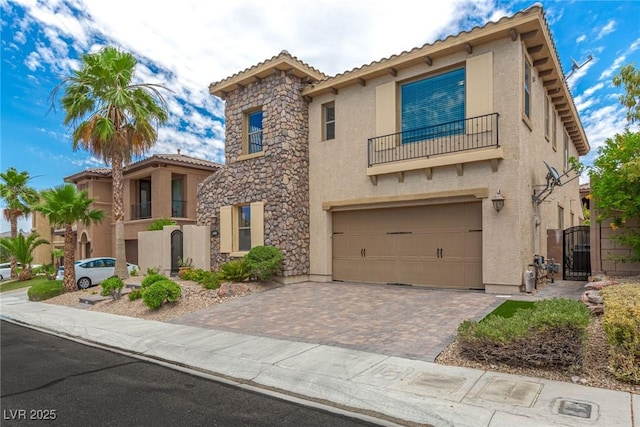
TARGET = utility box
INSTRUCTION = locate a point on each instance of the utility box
(529, 280)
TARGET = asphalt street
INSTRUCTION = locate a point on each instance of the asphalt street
(47, 380)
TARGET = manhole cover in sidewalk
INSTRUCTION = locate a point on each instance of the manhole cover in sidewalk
(519, 393)
(574, 409)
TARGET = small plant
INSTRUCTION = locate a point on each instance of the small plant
(151, 279)
(234, 271)
(160, 292)
(159, 224)
(135, 294)
(45, 290)
(112, 287)
(207, 279)
(185, 262)
(264, 262)
(134, 271)
(153, 270)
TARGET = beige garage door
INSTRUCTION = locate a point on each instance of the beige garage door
(437, 245)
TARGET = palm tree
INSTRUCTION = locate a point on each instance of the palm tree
(18, 197)
(22, 249)
(65, 206)
(114, 119)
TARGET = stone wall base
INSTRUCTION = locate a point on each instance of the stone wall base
(288, 280)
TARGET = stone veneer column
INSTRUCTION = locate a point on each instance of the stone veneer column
(280, 178)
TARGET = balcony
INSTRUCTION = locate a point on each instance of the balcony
(141, 211)
(454, 143)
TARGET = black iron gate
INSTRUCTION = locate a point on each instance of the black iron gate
(176, 250)
(577, 253)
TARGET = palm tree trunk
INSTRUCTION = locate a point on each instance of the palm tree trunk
(69, 280)
(13, 220)
(118, 216)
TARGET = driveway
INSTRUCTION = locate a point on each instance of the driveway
(415, 323)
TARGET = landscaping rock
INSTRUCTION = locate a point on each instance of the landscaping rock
(599, 285)
(227, 289)
(593, 297)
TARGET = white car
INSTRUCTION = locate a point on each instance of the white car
(5, 269)
(92, 271)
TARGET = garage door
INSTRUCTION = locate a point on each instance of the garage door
(437, 245)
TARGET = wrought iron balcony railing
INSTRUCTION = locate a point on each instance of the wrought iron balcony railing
(462, 135)
(141, 211)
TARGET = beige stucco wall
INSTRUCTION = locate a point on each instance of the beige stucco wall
(338, 168)
(197, 245)
(154, 249)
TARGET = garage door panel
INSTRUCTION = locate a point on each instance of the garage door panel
(436, 245)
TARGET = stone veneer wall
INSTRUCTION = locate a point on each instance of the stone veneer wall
(280, 178)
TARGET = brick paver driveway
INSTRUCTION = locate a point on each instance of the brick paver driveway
(415, 323)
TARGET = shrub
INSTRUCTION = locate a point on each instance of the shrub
(112, 287)
(234, 271)
(135, 294)
(207, 279)
(45, 290)
(134, 271)
(152, 278)
(551, 333)
(159, 224)
(160, 292)
(153, 270)
(621, 322)
(264, 262)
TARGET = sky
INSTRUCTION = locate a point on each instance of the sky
(189, 44)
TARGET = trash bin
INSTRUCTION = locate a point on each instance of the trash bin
(529, 280)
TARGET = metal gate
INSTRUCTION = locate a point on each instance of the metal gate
(577, 253)
(176, 250)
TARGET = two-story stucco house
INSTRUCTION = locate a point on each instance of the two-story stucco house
(159, 186)
(388, 173)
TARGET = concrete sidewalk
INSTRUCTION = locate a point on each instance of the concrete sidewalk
(391, 389)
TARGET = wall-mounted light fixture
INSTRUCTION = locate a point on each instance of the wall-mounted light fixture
(214, 233)
(498, 201)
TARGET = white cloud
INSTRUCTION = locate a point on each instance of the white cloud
(607, 29)
(616, 64)
(581, 38)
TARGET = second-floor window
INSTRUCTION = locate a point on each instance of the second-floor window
(329, 119)
(144, 206)
(526, 101)
(547, 118)
(254, 132)
(433, 107)
(554, 131)
(566, 151)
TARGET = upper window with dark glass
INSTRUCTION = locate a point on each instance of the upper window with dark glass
(254, 132)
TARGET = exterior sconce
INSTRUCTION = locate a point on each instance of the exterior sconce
(498, 202)
(214, 233)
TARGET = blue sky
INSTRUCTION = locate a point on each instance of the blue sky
(187, 45)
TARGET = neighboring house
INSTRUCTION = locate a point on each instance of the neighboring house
(388, 173)
(160, 186)
(41, 225)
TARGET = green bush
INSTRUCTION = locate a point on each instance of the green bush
(160, 292)
(551, 333)
(152, 278)
(159, 224)
(112, 287)
(45, 290)
(208, 279)
(135, 294)
(264, 262)
(234, 271)
(152, 270)
(621, 322)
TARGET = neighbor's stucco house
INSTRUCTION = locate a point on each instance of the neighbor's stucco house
(159, 186)
(386, 173)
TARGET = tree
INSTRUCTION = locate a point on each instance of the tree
(615, 176)
(629, 77)
(65, 206)
(113, 118)
(22, 249)
(18, 197)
